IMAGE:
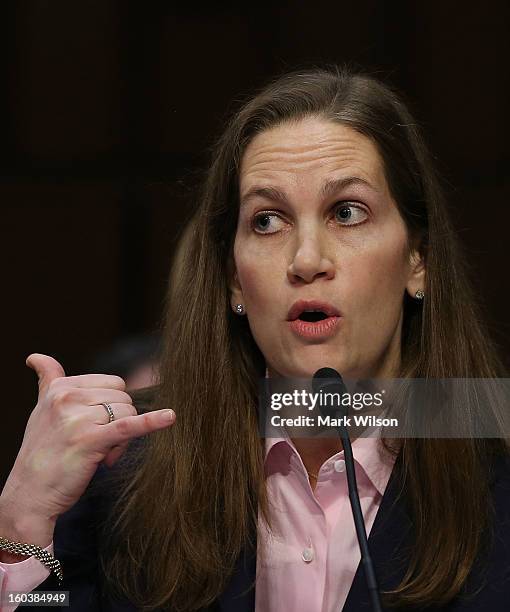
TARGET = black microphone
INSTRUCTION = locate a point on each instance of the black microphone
(329, 381)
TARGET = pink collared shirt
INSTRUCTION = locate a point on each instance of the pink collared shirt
(312, 554)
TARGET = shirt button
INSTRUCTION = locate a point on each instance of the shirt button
(307, 555)
(339, 465)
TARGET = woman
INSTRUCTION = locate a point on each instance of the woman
(320, 195)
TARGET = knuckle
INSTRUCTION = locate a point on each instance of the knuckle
(123, 427)
(146, 420)
(125, 398)
(119, 381)
(61, 396)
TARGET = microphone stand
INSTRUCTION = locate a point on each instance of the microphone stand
(359, 523)
(338, 386)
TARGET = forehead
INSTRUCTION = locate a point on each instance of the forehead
(311, 148)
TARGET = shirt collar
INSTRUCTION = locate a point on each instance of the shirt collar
(369, 453)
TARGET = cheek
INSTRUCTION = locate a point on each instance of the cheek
(262, 297)
(253, 275)
(259, 284)
(259, 275)
(379, 274)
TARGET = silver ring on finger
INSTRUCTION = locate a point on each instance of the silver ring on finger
(109, 411)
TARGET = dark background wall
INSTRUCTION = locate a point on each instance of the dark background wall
(109, 108)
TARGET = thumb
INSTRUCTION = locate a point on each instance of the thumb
(46, 368)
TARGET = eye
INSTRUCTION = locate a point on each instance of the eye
(266, 223)
(348, 213)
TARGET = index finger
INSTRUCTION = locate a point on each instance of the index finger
(126, 428)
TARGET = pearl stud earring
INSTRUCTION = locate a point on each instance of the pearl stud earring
(239, 309)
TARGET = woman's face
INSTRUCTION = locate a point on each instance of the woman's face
(317, 223)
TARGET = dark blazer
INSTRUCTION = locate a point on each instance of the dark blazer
(389, 542)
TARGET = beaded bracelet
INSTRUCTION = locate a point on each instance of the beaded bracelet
(20, 548)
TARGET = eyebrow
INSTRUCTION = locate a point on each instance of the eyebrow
(327, 189)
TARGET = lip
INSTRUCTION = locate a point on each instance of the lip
(318, 330)
(298, 307)
(315, 330)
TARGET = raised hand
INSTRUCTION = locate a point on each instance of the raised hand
(67, 435)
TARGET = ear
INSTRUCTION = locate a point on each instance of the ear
(416, 279)
(236, 293)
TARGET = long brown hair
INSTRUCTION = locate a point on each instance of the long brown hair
(188, 508)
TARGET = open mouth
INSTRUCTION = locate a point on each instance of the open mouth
(314, 319)
(315, 324)
(312, 316)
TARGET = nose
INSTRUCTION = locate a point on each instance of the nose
(310, 261)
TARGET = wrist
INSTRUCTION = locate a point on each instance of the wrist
(22, 525)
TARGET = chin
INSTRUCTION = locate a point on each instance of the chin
(308, 369)
(321, 358)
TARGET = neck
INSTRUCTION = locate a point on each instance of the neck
(314, 452)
